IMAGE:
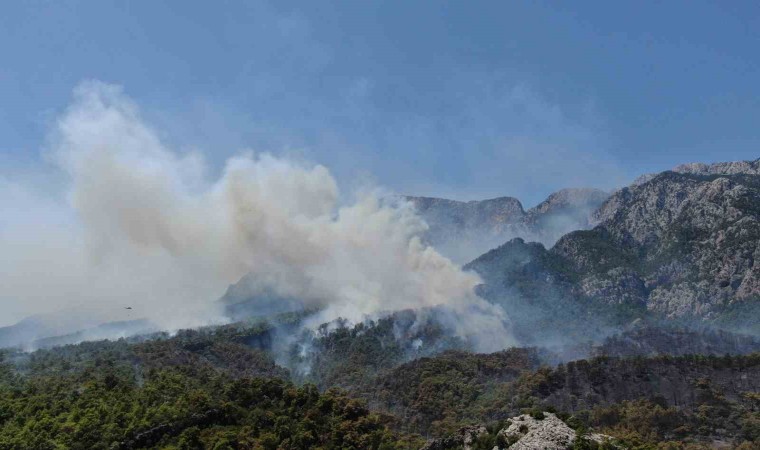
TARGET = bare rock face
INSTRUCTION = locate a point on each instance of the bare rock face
(692, 240)
(619, 285)
(528, 433)
(723, 168)
(550, 433)
(679, 245)
(525, 432)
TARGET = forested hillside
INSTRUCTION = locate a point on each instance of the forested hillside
(638, 333)
(220, 387)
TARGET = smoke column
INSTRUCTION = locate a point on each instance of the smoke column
(153, 230)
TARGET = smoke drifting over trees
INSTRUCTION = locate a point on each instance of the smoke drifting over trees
(145, 226)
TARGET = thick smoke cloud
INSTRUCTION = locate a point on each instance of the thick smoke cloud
(148, 228)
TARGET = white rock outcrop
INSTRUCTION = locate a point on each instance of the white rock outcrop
(550, 433)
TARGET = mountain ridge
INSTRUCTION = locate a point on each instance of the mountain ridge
(679, 245)
(463, 230)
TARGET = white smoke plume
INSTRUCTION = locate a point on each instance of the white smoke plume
(152, 231)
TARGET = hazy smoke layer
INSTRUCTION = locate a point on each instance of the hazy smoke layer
(153, 232)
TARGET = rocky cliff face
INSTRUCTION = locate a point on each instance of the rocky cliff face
(463, 230)
(685, 245)
(721, 168)
(681, 245)
(547, 432)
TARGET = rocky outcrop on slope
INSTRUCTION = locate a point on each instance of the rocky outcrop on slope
(528, 433)
(543, 431)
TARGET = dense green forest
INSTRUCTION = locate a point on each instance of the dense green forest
(195, 390)
(172, 409)
(357, 387)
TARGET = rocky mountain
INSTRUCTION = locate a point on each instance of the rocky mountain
(605, 320)
(721, 168)
(545, 431)
(564, 211)
(682, 245)
(463, 230)
(493, 214)
(685, 245)
(459, 230)
(525, 279)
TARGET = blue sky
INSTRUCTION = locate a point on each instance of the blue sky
(459, 99)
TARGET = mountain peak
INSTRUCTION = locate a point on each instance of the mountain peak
(571, 197)
(464, 230)
(719, 168)
(506, 208)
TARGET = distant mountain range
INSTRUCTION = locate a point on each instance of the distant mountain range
(464, 230)
(626, 337)
(679, 245)
(69, 327)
